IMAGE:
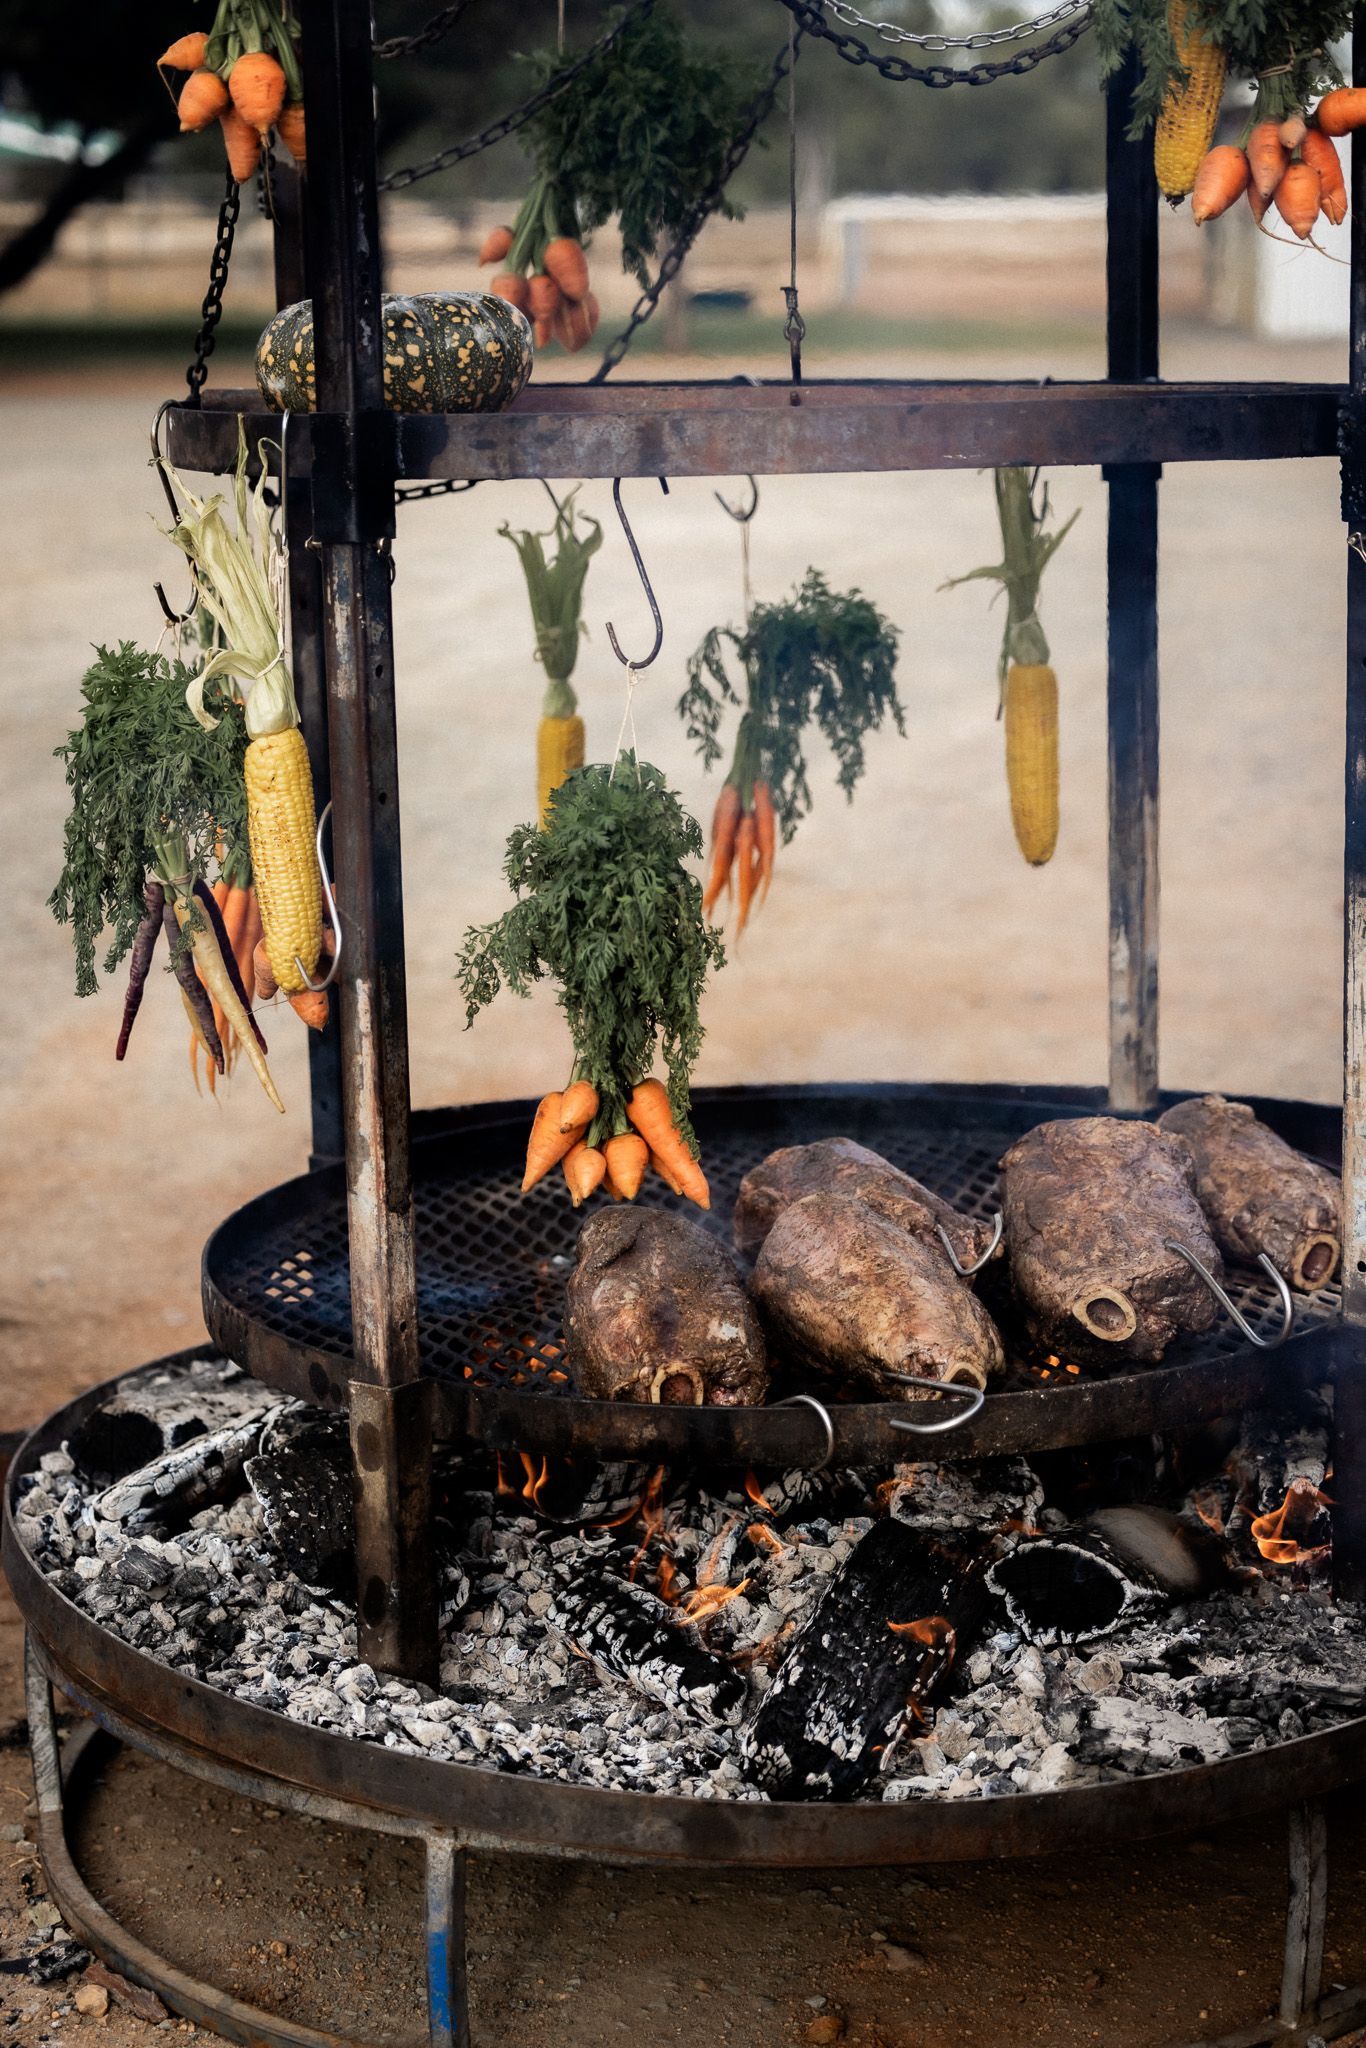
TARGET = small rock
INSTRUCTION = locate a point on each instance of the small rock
(902, 1959)
(93, 2000)
(828, 2027)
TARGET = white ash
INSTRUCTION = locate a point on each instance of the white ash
(205, 1593)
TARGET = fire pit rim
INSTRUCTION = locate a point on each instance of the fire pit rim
(188, 1718)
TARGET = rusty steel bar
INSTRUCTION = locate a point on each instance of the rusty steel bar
(448, 2003)
(1131, 574)
(352, 446)
(1306, 1913)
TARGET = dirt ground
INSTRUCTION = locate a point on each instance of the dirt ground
(904, 938)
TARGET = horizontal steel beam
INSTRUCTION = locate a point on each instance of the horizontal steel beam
(701, 429)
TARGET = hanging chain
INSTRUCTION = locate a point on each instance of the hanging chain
(422, 39)
(794, 327)
(983, 39)
(413, 494)
(211, 312)
(810, 15)
(498, 131)
(760, 107)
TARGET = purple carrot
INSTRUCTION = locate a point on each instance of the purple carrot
(220, 931)
(196, 995)
(144, 945)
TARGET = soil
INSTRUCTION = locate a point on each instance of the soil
(969, 965)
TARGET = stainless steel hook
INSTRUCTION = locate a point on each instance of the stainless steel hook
(998, 1224)
(625, 659)
(335, 962)
(819, 1407)
(741, 518)
(973, 1397)
(1234, 1313)
(173, 618)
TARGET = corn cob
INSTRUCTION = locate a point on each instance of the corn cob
(1190, 112)
(281, 824)
(1031, 721)
(559, 751)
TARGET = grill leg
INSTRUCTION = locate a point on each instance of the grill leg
(448, 2008)
(1305, 1913)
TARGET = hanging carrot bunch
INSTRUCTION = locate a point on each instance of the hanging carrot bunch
(821, 657)
(607, 909)
(244, 74)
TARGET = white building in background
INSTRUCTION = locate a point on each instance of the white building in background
(1299, 294)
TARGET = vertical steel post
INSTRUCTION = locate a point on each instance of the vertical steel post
(1349, 1460)
(306, 637)
(448, 2003)
(354, 445)
(1131, 568)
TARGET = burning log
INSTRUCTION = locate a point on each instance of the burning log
(881, 1643)
(1090, 1205)
(303, 1484)
(658, 1312)
(629, 1634)
(851, 1295)
(180, 1482)
(1260, 1195)
(142, 1421)
(840, 1166)
(1069, 1589)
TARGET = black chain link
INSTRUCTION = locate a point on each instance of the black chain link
(422, 39)
(211, 312)
(414, 494)
(901, 71)
(760, 107)
(398, 181)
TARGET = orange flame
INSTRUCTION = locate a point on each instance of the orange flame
(1275, 1534)
(505, 1485)
(535, 1481)
(666, 1581)
(765, 1533)
(705, 1601)
(1210, 1511)
(933, 1630)
(755, 1492)
(651, 1512)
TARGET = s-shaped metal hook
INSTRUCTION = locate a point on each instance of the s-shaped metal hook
(645, 585)
(173, 618)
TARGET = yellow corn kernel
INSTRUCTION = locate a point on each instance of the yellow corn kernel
(282, 825)
(559, 751)
(1031, 720)
(1190, 112)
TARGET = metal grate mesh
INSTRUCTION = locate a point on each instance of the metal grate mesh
(492, 1263)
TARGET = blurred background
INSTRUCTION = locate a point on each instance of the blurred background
(951, 233)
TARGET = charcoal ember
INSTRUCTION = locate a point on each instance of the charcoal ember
(847, 1294)
(302, 1481)
(50, 1963)
(179, 1483)
(879, 1646)
(1135, 1738)
(629, 1634)
(657, 1312)
(1260, 1194)
(142, 1568)
(1070, 1588)
(147, 1418)
(1091, 1204)
(841, 1166)
(976, 1494)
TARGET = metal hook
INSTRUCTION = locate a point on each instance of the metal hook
(975, 1399)
(998, 1224)
(173, 618)
(741, 518)
(625, 659)
(810, 1401)
(326, 880)
(1236, 1315)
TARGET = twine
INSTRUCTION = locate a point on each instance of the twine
(628, 718)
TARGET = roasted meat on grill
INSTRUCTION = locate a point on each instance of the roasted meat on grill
(841, 1166)
(1259, 1194)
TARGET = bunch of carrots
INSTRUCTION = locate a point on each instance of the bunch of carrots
(744, 833)
(564, 1133)
(1292, 164)
(545, 272)
(244, 74)
(244, 937)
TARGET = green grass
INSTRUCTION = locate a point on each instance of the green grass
(34, 344)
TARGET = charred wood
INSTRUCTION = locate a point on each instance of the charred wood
(630, 1635)
(1069, 1588)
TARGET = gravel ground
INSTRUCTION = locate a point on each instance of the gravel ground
(903, 938)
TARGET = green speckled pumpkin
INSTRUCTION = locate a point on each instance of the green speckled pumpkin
(443, 352)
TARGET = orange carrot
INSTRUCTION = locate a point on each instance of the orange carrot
(242, 144)
(724, 821)
(627, 1157)
(1257, 203)
(544, 297)
(248, 938)
(257, 85)
(547, 1144)
(565, 261)
(1292, 131)
(1297, 199)
(649, 1111)
(1320, 152)
(666, 1173)
(542, 333)
(584, 1169)
(289, 126)
(1221, 179)
(765, 834)
(510, 286)
(1338, 113)
(266, 988)
(578, 1107)
(1267, 156)
(202, 99)
(186, 53)
(495, 245)
(311, 1005)
(576, 323)
(746, 860)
